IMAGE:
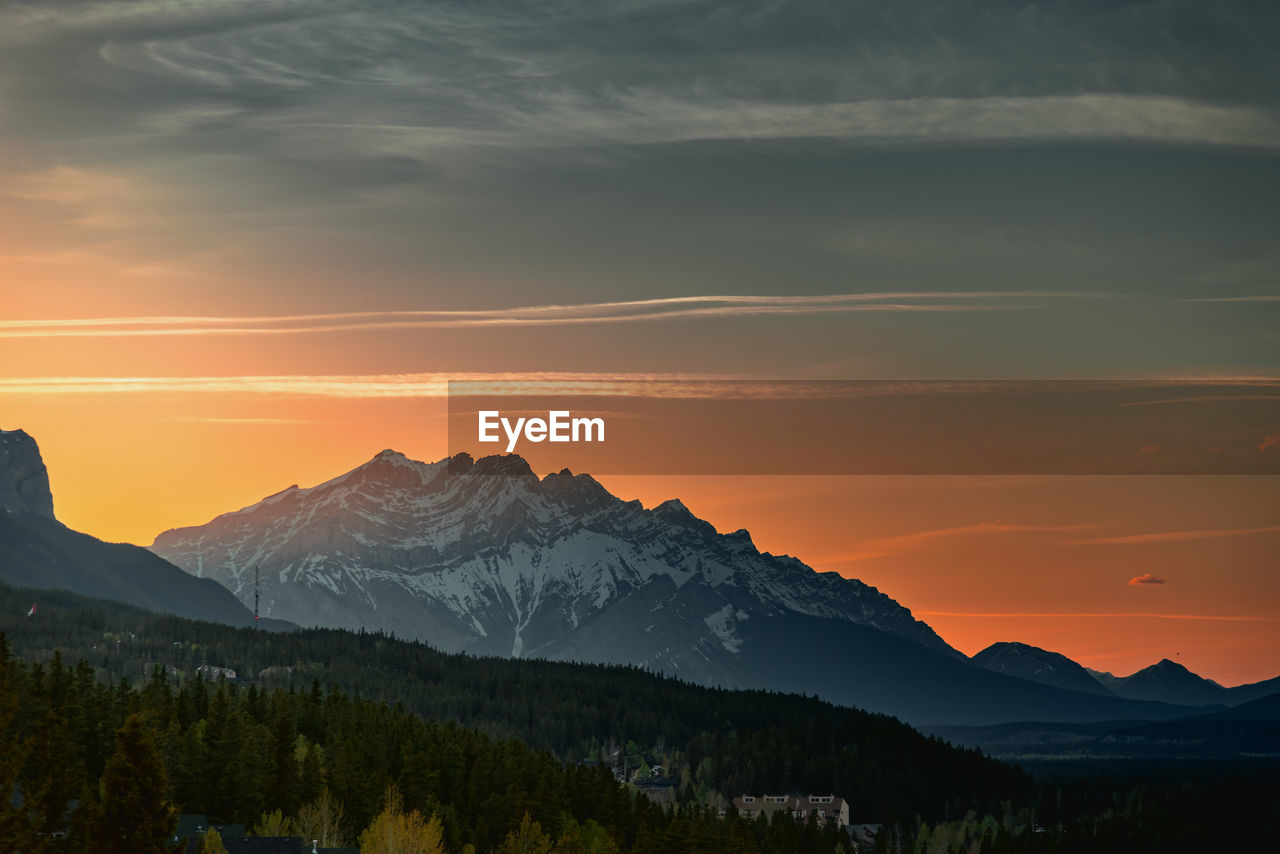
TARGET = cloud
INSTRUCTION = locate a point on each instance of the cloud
(1145, 578)
(449, 77)
(211, 419)
(1254, 298)
(983, 615)
(649, 118)
(424, 385)
(885, 546)
(1272, 441)
(628, 311)
(1174, 536)
(1214, 398)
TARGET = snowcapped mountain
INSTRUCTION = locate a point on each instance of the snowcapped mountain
(485, 556)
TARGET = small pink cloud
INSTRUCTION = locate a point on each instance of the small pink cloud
(1148, 449)
(1145, 578)
(1272, 441)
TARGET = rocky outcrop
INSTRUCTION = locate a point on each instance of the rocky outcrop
(24, 482)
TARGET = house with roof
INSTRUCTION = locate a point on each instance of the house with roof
(827, 809)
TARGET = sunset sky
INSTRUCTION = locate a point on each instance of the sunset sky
(247, 244)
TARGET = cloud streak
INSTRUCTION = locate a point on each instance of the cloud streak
(659, 119)
(1174, 536)
(983, 615)
(627, 311)
(887, 546)
(1145, 578)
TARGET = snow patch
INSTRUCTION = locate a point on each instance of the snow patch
(723, 624)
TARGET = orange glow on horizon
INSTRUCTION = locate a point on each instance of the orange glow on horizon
(981, 559)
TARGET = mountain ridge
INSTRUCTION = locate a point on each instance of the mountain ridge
(38, 551)
(1165, 681)
(485, 557)
(468, 539)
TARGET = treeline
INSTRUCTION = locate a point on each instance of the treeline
(728, 742)
(329, 720)
(108, 765)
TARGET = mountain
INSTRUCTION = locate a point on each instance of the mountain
(1170, 682)
(24, 481)
(486, 557)
(38, 551)
(1107, 680)
(1253, 691)
(1038, 665)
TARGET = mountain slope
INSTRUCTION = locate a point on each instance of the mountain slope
(38, 551)
(1038, 665)
(486, 557)
(1170, 682)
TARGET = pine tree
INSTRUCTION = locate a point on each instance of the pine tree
(283, 783)
(14, 824)
(54, 781)
(132, 815)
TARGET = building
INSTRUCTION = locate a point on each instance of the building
(826, 808)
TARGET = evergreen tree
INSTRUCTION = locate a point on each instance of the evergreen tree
(132, 815)
(54, 780)
(283, 784)
(15, 830)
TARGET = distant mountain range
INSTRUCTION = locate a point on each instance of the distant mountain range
(1165, 682)
(38, 551)
(486, 557)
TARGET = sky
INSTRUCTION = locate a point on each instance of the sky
(247, 244)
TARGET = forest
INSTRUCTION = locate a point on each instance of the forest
(490, 753)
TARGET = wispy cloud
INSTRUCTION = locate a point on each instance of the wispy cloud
(644, 117)
(653, 117)
(1254, 298)
(635, 384)
(886, 546)
(1174, 536)
(1145, 578)
(668, 308)
(1206, 398)
(407, 385)
(985, 615)
(211, 419)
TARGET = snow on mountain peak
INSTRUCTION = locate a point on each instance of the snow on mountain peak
(511, 564)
